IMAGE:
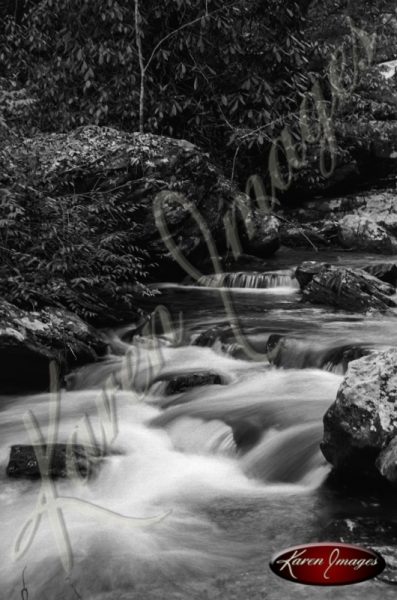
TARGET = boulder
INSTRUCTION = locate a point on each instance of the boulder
(260, 234)
(363, 221)
(107, 182)
(65, 461)
(348, 289)
(381, 206)
(361, 232)
(362, 421)
(30, 340)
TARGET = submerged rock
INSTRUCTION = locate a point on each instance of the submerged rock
(181, 383)
(209, 337)
(362, 421)
(65, 461)
(246, 434)
(348, 289)
(30, 340)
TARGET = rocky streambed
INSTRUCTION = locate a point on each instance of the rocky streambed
(256, 409)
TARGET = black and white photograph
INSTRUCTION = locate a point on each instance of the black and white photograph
(198, 300)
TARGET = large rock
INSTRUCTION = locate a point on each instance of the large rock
(363, 221)
(260, 234)
(348, 289)
(362, 421)
(361, 232)
(97, 188)
(30, 340)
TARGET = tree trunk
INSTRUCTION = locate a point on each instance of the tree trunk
(142, 69)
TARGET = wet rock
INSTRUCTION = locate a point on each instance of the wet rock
(307, 270)
(30, 340)
(224, 337)
(236, 350)
(181, 383)
(348, 289)
(363, 233)
(363, 420)
(208, 338)
(65, 461)
(386, 272)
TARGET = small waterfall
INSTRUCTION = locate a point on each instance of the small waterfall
(253, 280)
(293, 353)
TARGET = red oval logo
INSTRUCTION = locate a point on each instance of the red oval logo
(327, 564)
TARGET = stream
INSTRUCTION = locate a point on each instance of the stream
(229, 472)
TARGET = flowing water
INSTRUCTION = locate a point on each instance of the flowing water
(197, 487)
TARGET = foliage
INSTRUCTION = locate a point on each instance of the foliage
(76, 217)
(15, 106)
(61, 247)
(231, 74)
